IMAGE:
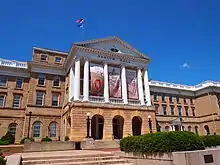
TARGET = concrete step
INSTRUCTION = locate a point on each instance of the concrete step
(63, 160)
(101, 162)
(99, 144)
(66, 156)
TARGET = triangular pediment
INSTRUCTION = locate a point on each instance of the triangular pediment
(112, 44)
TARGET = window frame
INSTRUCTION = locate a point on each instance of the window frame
(51, 124)
(58, 77)
(34, 128)
(19, 101)
(4, 96)
(172, 110)
(164, 110)
(22, 83)
(180, 113)
(193, 111)
(155, 97)
(45, 56)
(6, 81)
(41, 76)
(56, 61)
(186, 111)
(58, 98)
(42, 98)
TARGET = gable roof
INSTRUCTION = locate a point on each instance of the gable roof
(108, 39)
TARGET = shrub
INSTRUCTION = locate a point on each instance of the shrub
(8, 137)
(24, 139)
(162, 142)
(5, 142)
(46, 139)
(211, 140)
(67, 138)
(2, 159)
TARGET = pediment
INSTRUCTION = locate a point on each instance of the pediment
(112, 44)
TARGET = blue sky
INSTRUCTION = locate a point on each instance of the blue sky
(172, 33)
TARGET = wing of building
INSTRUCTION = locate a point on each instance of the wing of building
(105, 81)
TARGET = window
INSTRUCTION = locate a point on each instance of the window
(184, 100)
(41, 79)
(12, 128)
(172, 110)
(56, 81)
(163, 98)
(58, 60)
(180, 111)
(156, 109)
(164, 110)
(40, 98)
(186, 109)
(53, 129)
(19, 82)
(170, 99)
(55, 100)
(197, 130)
(191, 101)
(177, 99)
(43, 57)
(189, 128)
(2, 100)
(3, 81)
(155, 97)
(193, 111)
(36, 129)
(16, 101)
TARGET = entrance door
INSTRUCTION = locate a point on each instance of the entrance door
(97, 127)
(117, 125)
(136, 126)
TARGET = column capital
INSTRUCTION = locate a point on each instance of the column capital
(105, 62)
(122, 65)
(85, 58)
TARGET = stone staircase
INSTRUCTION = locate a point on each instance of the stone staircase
(82, 157)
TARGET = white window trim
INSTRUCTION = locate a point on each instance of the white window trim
(42, 99)
(6, 84)
(44, 80)
(46, 57)
(19, 101)
(60, 60)
(21, 84)
(3, 100)
(54, 79)
(58, 100)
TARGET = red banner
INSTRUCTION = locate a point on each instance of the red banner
(131, 76)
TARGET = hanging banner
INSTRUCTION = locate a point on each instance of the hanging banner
(114, 82)
(97, 80)
(131, 77)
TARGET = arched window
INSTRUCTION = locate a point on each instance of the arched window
(197, 130)
(207, 129)
(36, 129)
(53, 129)
(189, 128)
(12, 128)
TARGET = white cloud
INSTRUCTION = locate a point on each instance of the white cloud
(185, 65)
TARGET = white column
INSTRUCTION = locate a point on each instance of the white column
(147, 88)
(106, 84)
(77, 80)
(71, 84)
(124, 85)
(86, 81)
(140, 87)
(171, 129)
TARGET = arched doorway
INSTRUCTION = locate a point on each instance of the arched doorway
(207, 129)
(136, 125)
(167, 128)
(97, 125)
(118, 125)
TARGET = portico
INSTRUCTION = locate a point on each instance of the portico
(106, 80)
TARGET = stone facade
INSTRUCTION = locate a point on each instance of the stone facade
(110, 118)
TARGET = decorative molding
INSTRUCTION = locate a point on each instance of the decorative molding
(48, 71)
(16, 73)
(50, 51)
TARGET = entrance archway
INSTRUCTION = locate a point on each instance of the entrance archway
(207, 129)
(97, 125)
(136, 125)
(118, 125)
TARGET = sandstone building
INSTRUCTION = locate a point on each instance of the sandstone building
(107, 80)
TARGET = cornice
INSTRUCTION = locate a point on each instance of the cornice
(112, 54)
(50, 51)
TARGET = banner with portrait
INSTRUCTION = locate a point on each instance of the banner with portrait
(132, 86)
(114, 82)
(96, 80)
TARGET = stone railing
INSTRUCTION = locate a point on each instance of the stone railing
(116, 100)
(134, 102)
(96, 99)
